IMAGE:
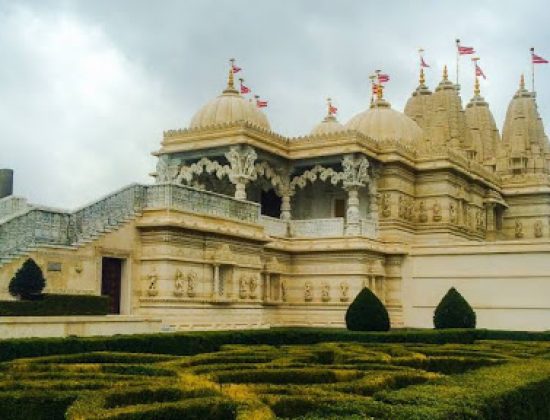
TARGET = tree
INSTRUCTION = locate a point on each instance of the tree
(367, 313)
(28, 282)
(454, 312)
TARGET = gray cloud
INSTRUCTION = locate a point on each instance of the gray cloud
(86, 88)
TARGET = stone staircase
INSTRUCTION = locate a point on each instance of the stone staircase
(36, 227)
(40, 227)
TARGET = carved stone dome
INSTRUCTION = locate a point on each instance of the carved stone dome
(381, 122)
(329, 125)
(229, 107)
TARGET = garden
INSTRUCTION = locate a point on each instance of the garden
(279, 373)
(365, 371)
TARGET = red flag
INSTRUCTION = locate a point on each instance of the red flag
(235, 68)
(537, 59)
(479, 72)
(423, 63)
(261, 104)
(465, 50)
(383, 78)
(332, 109)
(244, 89)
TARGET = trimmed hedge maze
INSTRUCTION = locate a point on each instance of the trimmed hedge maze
(338, 380)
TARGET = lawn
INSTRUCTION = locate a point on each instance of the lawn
(342, 379)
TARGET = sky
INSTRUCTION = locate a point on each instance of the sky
(88, 87)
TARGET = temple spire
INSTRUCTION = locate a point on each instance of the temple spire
(477, 90)
(421, 80)
(445, 73)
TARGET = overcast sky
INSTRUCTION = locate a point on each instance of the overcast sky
(88, 87)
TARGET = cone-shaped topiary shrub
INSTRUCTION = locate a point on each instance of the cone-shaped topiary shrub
(454, 312)
(367, 313)
(28, 282)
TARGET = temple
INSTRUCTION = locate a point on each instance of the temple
(245, 228)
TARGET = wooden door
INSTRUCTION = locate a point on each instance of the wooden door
(111, 276)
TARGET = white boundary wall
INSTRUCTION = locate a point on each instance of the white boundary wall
(507, 283)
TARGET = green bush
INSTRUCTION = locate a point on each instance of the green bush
(56, 305)
(454, 312)
(28, 282)
(367, 313)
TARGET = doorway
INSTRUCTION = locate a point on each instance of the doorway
(111, 277)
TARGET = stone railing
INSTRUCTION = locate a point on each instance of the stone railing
(185, 198)
(315, 227)
(318, 227)
(37, 226)
(9, 206)
(108, 212)
(274, 226)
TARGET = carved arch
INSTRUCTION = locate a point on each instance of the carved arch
(311, 175)
(187, 173)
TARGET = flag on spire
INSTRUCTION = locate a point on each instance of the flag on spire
(464, 50)
(244, 89)
(332, 110)
(383, 78)
(479, 72)
(537, 59)
(234, 67)
(259, 102)
(423, 63)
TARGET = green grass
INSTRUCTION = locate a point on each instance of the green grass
(487, 379)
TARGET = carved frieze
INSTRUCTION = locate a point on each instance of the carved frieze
(344, 291)
(325, 292)
(308, 291)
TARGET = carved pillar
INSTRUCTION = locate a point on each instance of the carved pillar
(355, 175)
(267, 287)
(286, 213)
(240, 188)
(372, 284)
(373, 195)
(353, 222)
(241, 159)
(216, 284)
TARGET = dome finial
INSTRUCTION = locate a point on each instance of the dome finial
(421, 80)
(230, 78)
(380, 91)
(477, 91)
(522, 82)
(445, 73)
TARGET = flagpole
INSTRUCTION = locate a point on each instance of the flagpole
(457, 61)
(532, 70)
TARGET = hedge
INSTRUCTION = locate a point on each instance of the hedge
(56, 305)
(515, 390)
(191, 343)
(36, 404)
